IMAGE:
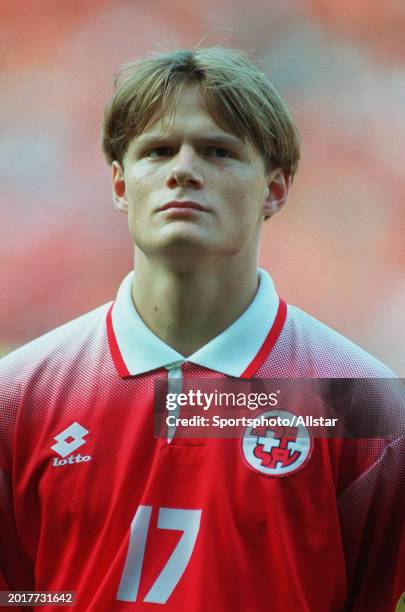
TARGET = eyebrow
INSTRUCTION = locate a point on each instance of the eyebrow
(217, 138)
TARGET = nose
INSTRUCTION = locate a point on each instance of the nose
(185, 171)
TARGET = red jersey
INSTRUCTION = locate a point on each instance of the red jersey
(92, 502)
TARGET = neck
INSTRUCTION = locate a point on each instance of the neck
(187, 308)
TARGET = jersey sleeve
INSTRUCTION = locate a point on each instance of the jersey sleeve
(371, 494)
(373, 528)
(16, 570)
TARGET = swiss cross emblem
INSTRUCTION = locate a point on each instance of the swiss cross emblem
(277, 446)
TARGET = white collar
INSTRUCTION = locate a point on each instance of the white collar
(237, 351)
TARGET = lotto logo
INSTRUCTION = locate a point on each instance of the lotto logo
(69, 439)
(72, 459)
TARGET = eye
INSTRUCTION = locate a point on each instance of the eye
(219, 152)
(163, 151)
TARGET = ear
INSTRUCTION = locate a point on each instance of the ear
(118, 187)
(278, 185)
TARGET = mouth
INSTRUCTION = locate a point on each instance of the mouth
(181, 205)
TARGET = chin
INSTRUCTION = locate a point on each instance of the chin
(184, 245)
(185, 238)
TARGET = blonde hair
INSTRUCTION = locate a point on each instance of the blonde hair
(238, 95)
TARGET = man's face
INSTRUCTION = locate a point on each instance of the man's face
(191, 161)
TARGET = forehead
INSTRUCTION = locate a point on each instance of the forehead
(189, 112)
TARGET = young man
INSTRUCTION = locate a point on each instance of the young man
(202, 151)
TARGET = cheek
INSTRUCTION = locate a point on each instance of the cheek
(247, 196)
(138, 191)
(144, 185)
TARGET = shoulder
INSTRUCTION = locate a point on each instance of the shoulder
(315, 349)
(57, 348)
(33, 377)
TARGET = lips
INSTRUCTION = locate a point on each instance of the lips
(185, 204)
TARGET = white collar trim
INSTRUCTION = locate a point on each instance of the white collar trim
(230, 352)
